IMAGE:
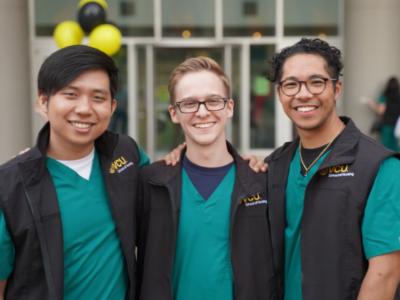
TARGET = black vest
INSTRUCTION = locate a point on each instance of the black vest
(28, 200)
(333, 261)
(158, 210)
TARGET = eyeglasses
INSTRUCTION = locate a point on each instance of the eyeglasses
(211, 103)
(315, 85)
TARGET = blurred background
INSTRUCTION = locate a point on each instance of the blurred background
(241, 35)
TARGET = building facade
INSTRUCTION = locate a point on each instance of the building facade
(240, 34)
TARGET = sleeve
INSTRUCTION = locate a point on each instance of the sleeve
(144, 160)
(382, 100)
(6, 250)
(381, 223)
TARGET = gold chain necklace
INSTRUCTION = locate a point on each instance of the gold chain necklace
(307, 168)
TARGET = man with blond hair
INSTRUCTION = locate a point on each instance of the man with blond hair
(203, 226)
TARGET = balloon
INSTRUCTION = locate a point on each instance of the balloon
(91, 15)
(68, 33)
(103, 3)
(106, 38)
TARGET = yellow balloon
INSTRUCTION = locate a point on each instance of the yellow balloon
(107, 38)
(103, 3)
(68, 33)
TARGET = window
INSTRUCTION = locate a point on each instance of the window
(249, 18)
(119, 121)
(311, 17)
(195, 18)
(166, 59)
(132, 17)
(262, 112)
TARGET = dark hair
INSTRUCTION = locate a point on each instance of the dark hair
(330, 54)
(66, 64)
(392, 89)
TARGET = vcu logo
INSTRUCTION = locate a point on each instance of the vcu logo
(337, 171)
(253, 200)
(119, 165)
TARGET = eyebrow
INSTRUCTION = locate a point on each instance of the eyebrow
(195, 98)
(310, 77)
(102, 91)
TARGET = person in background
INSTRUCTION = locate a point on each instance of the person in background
(203, 231)
(333, 192)
(388, 109)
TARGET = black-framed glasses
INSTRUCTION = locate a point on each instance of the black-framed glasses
(315, 85)
(211, 103)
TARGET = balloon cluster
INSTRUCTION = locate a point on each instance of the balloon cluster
(92, 21)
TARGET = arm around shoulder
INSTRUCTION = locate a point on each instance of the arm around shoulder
(382, 278)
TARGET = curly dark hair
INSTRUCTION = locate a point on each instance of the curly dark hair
(332, 56)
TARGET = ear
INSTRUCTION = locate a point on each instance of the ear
(278, 91)
(41, 106)
(42, 103)
(338, 89)
(230, 104)
(173, 114)
(114, 105)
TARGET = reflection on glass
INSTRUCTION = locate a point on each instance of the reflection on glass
(61, 10)
(133, 18)
(311, 17)
(188, 18)
(262, 119)
(235, 88)
(141, 94)
(249, 18)
(119, 121)
(168, 134)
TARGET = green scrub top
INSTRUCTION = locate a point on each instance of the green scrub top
(202, 268)
(380, 226)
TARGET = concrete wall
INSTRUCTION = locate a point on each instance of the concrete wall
(15, 104)
(372, 53)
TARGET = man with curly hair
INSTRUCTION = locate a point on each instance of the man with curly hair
(333, 192)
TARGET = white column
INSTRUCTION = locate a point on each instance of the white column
(372, 53)
(15, 104)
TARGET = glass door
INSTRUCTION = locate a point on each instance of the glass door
(156, 132)
(168, 135)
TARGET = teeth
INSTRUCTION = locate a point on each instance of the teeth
(80, 125)
(203, 125)
(305, 108)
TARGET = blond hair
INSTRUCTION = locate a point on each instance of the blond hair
(196, 64)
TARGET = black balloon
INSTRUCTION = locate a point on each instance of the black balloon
(91, 15)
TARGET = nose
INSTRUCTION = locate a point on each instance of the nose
(83, 105)
(202, 111)
(303, 92)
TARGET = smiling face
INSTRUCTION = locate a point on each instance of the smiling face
(310, 113)
(201, 128)
(78, 114)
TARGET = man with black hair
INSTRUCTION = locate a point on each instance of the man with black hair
(333, 192)
(67, 205)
